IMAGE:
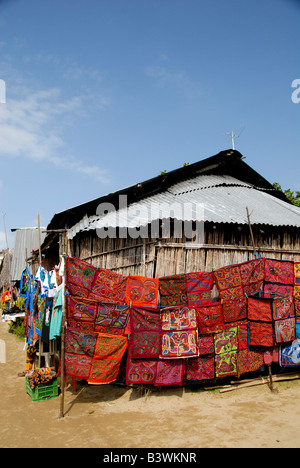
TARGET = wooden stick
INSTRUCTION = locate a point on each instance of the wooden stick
(262, 381)
(62, 353)
(251, 232)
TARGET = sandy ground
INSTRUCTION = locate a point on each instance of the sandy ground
(110, 416)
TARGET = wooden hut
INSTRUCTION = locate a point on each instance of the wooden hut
(200, 217)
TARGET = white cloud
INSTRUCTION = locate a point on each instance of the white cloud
(32, 126)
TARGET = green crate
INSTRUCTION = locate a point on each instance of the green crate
(44, 391)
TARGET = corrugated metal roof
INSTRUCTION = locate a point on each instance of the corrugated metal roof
(26, 238)
(210, 198)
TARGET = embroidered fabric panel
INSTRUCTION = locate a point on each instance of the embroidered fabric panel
(297, 273)
(142, 291)
(226, 364)
(81, 309)
(297, 292)
(108, 286)
(144, 319)
(111, 316)
(297, 307)
(77, 342)
(243, 338)
(80, 326)
(260, 309)
(179, 318)
(179, 344)
(261, 334)
(80, 276)
(229, 282)
(283, 307)
(226, 341)
(201, 368)
(273, 290)
(141, 371)
(249, 361)
(285, 330)
(289, 355)
(169, 372)
(77, 365)
(173, 291)
(210, 317)
(297, 280)
(206, 344)
(199, 286)
(109, 351)
(145, 344)
(252, 271)
(279, 271)
(234, 310)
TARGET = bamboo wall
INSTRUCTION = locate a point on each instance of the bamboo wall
(223, 244)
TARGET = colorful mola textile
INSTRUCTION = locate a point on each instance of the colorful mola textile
(81, 309)
(106, 362)
(173, 291)
(226, 341)
(145, 344)
(111, 316)
(297, 280)
(285, 330)
(229, 282)
(261, 334)
(80, 326)
(77, 365)
(260, 309)
(289, 355)
(272, 290)
(249, 361)
(201, 368)
(141, 371)
(297, 273)
(283, 307)
(199, 286)
(252, 272)
(297, 307)
(108, 286)
(144, 319)
(179, 344)
(169, 372)
(145, 335)
(179, 318)
(279, 271)
(206, 344)
(77, 342)
(79, 276)
(234, 310)
(210, 317)
(297, 292)
(226, 364)
(142, 291)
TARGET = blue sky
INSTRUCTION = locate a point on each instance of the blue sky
(102, 94)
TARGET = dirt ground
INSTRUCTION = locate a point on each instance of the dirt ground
(111, 416)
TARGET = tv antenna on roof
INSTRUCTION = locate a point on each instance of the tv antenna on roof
(233, 135)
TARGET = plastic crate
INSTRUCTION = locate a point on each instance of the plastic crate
(44, 391)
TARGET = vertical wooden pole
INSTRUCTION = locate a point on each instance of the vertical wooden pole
(40, 258)
(62, 353)
(251, 232)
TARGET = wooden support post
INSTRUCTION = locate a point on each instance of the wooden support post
(62, 353)
(251, 232)
(41, 347)
(270, 378)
